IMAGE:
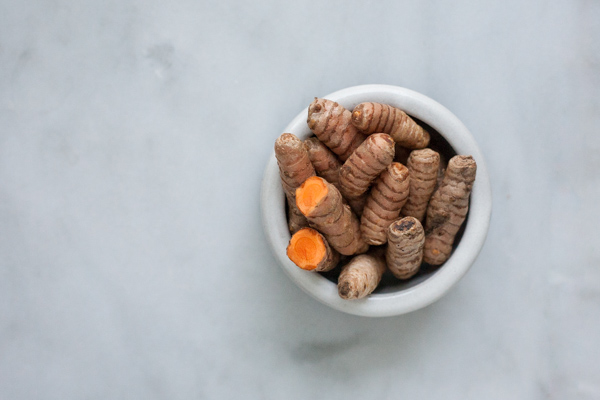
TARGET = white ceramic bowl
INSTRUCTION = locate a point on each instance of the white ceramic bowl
(418, 292)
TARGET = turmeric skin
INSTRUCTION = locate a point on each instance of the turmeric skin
(328, 166)
(448, 209)
(296, 220)
(360, 276)
(294, 168)
(323, 160)
(388, 195)
(331, 123)
(309, 250)
(365, 164)
(405, 247)
(321, 203)
(377, 117)
(423, 166)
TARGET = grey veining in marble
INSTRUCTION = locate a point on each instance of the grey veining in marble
(133, 136)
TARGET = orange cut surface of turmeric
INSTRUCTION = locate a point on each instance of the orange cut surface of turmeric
(309, 250)
(322, 204)
(312, 192)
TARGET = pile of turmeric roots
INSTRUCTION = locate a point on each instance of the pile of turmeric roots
(366, 191)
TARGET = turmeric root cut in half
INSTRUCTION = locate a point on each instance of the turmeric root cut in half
(321, 203)
(448, 209)
(360, 276)
(377, 117)
(405, 247)
(309, 250)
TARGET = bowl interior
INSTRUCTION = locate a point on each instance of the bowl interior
(449, 137)
(389, 283)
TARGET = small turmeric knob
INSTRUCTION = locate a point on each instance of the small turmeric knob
(360, 276)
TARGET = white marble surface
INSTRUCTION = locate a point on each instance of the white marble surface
(133, 136)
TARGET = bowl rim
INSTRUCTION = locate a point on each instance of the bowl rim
(441, 281)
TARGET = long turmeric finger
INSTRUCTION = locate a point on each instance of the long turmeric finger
(360, 276)
(423, 166)
(388, 195)
(323, 160)
(321, 203)
(309, 250)
(365, 164)
(294, 168)
(405, 247)
(330, 122)
(448, 209)
(377, 117)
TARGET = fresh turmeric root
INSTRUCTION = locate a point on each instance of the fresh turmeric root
(309, 250)
(388, 195)
(405, 247)
(365, 164)
(323, 160)
(448, 208)
(296, 220)
(321, 203)
(331, 123)
(294, 168)
(328, 166)
(360, 276)
(423, 166)
(377, 117)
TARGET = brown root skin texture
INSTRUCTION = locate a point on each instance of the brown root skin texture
(423, 166)
(377, 117)
(324, 161)
(331, 123)
(448, 209)
(294, 168)
(360, 276)
(309, 250)
(389, 193)
(365, 164)
(321, 203)
(328, 166)
(404, 254)
(296, 220)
